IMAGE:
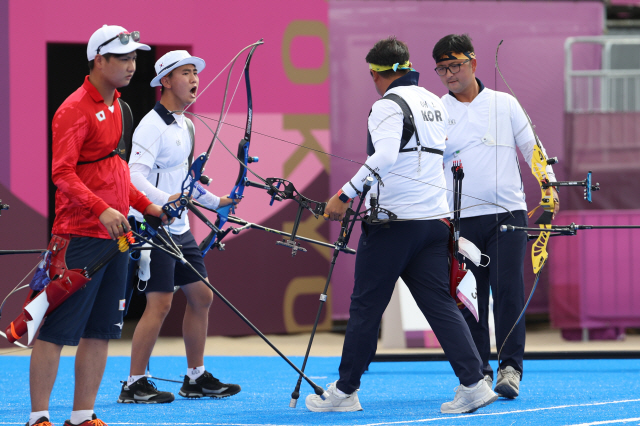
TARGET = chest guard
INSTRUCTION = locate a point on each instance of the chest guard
(408, 129)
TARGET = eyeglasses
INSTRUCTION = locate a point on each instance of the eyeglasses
(124, 39)
(454, 68)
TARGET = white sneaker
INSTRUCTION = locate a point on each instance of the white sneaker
(489, 380)
(335, 402)
(468, 400)
(508, 384)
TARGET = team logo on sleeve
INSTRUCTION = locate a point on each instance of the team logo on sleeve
(101, 116)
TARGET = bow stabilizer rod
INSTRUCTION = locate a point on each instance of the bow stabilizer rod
(570, 230)
(343, 239)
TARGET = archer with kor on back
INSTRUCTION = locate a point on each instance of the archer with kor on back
(162, 151)
(483, 130)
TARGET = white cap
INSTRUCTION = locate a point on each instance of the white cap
(172, 60)
(114, 46)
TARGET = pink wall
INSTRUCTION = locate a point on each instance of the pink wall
(531, 59)
(217, 30)
(289, 76)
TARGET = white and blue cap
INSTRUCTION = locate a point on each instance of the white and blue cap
(100, 38)
(172, 60)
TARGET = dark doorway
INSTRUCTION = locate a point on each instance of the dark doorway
(66, 69)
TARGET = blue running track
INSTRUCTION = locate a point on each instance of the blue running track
(553, 392)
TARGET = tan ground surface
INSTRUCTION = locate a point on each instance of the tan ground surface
(539, 338)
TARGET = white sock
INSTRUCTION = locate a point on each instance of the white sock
(339, 392)
(78, 417)
(194, 373)
(36, 415)
(132, 379)
(471, 386)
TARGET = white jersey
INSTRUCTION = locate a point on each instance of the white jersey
(162, 142)
(483, 135)
(414, 183)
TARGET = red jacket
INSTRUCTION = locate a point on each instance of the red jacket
(85, 129)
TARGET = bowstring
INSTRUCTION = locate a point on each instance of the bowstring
(202, 117)
(200, 94)
(533, 289)
(495, 84)
(223, 121)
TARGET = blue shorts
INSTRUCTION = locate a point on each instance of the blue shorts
(167, 272)
(96, 310)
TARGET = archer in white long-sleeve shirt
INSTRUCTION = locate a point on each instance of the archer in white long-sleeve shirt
(483, 130)
(160, 158)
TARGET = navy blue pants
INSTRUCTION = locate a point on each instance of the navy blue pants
(167, 272)
(417, 252)
(505, 276)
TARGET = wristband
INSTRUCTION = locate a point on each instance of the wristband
(343, 197)
(199, 189)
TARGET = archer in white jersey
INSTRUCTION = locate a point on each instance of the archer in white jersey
(484, 129)
(161, 155)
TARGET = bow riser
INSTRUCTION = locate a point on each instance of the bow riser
(176, 207)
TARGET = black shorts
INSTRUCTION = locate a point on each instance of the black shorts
(96, 310)
(167, 272)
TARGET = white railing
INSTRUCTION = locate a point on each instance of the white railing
(606, 89)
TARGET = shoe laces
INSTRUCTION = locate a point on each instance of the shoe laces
(511, 374)
(207, 375)
(147, 384)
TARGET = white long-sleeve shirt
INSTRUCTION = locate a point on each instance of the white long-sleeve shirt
(484, 134)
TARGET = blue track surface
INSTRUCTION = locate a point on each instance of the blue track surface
(575, 392)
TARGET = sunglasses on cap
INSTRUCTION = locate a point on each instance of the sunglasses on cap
(124, 39)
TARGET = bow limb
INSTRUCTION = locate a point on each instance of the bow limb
(176, 207)
(237, 192)
(539, 162)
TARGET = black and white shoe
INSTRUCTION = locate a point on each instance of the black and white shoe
(143, 391)
(207, 385)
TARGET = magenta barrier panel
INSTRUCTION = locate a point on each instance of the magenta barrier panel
(531, 59)
(608, 145)
(593, 275)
